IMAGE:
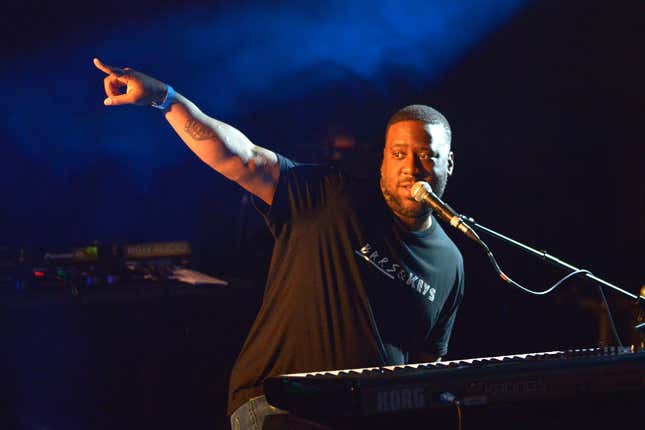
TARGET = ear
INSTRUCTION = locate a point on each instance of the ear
(451, 162)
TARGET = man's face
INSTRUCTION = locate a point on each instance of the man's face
(414, 151)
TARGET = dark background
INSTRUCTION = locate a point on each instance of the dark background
(545, 98)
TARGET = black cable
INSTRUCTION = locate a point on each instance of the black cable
(449, 397)
(510, 281)
(457, 404)
(610, 317)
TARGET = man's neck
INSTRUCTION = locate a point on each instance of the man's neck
(415, 224)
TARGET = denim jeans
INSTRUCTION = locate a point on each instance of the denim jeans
(250, 416)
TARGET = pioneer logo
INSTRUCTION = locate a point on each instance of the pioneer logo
(400, 399)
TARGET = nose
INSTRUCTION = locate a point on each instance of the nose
(412, 165)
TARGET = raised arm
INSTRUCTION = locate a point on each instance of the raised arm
(221, 146)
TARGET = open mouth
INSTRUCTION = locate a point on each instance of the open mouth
(406, 189)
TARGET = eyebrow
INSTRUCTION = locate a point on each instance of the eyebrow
(407, 145)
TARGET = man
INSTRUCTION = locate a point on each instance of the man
(361, 274)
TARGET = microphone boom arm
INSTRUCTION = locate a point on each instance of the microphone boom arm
(547, 257)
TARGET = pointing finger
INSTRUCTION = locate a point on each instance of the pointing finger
(107, 69)
(102, 67)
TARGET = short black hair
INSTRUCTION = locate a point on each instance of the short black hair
(421, 113)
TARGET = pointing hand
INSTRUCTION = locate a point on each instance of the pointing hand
(127, 86)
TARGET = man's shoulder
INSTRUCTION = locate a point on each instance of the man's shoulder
(328, 176)
(297, 171)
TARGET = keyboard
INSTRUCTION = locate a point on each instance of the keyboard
(485, 381)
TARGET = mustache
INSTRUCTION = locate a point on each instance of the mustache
(409, 180)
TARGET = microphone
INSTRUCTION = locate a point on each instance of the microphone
(422, 192)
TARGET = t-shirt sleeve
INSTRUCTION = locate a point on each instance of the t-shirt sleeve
(302, 191)
(439, 336)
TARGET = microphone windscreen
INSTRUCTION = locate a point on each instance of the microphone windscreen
(419, 190)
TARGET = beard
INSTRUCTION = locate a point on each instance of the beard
(406, 207)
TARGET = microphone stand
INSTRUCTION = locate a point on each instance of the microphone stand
(555, 261)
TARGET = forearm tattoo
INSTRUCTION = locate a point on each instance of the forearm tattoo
(198, 131)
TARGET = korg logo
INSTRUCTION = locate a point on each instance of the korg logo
(400, 399)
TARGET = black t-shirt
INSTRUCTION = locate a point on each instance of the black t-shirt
(348, 286)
